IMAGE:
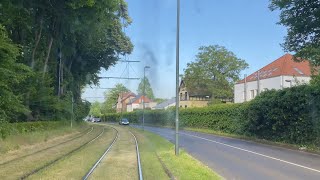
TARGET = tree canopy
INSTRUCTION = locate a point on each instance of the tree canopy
(302, 18)
(215, 71)
(79, 37)
(111, 98)
(148, 88)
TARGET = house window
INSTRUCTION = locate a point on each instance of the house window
(180, 96)
(186, 96)
(252, 94)
(185, 106)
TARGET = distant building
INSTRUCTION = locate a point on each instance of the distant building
(166, 104)
(137, 103)
(197, 97)
(123, 99)
(281, 73)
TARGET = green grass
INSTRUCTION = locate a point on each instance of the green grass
(16, 169)
(78, 164)
(183, 166)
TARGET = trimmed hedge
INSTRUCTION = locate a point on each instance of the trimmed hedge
(7, 129)
(291, 115)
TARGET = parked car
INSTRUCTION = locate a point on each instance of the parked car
(97, 119)
(124, 121)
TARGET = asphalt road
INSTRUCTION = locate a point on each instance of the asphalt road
(239, 159)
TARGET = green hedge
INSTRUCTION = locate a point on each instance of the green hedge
(290, 115)
(224, 117)
(7, 129)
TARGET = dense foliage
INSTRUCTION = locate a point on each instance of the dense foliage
(290, 115)
(111, 98)
(302, 18)
(214, 72)
(145, 87)
(44, 41)
(7, 129)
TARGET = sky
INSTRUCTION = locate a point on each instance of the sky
(247, 28)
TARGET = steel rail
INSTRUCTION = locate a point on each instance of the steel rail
(61, 157)
(138, 157)
(103, 155)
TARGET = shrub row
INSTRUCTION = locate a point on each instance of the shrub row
(7, 129)
(290, 115)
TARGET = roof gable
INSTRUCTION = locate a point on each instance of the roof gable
(126, 95)
(285, 65)
(138, 99)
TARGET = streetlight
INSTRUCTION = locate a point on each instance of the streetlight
(177, 80)
(290, 81)
(144, 93)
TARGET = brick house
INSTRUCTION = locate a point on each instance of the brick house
(137, 103)
(197, 97)
(123, 99)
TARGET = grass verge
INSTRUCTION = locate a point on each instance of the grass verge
(78, 164)
(19, 141)
(183, 166)
(23, 166)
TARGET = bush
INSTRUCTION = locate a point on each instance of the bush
(7, 129)
(290, 115)
(223, 117)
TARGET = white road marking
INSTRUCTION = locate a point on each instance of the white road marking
(259, 154)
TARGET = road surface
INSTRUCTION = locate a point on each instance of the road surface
(239, 159)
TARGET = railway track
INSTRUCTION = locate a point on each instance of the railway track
(50, 147)
(95, 166)
(61, 157)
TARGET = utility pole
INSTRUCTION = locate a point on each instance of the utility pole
(59, 71)
(258, 81)
(144, 94)
(245, 88)
(72, 111)
(177, 80)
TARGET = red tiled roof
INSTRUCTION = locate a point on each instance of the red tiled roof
(138, 100)
(284, 65)
(126, 95)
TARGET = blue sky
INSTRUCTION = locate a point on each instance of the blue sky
(247, 28)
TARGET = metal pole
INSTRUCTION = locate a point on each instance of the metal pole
(258, 88)
(72, 101)
(144, 92)
(245, 88)
(177, 80)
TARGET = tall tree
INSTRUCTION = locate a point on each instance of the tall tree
(147, 86)
(302, 18)
(214, 71)
(12, 75)
(88, 33)
(111, 98)
(95, 109)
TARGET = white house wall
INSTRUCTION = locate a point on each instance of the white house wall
(279, 82)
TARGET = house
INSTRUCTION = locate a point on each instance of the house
(166, 104)
(197, 97)
(281, 73)
(137, 103)
(123, 99)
